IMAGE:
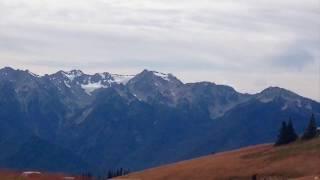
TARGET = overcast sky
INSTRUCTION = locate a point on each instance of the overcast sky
(247, 44)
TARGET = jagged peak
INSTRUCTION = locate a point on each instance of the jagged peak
(76, 72)
(103, 75)
(164, 76)
(71, 75)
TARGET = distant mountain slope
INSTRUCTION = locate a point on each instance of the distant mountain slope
(37, 154)
(298, 160)
(139, 121)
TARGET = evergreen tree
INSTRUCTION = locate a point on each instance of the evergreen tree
(109, 174)
(311, 130)
(287, 134)
(291, 133)
(282, 138)
(117, 172)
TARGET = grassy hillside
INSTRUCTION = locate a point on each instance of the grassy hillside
(297, 160)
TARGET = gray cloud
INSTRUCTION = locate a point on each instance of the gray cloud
(196, 39)
(295, 59)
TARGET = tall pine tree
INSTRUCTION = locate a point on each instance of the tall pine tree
(287, 134)
(311, 130)
(291, 133)
(282, 137)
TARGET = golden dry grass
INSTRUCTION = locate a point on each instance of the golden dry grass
(298, 160)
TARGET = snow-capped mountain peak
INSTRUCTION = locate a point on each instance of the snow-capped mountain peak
(162, 75)
(88, 83)
(71, 75)
(157, 76)
(103, 80)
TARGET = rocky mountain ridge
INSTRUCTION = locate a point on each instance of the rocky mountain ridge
(139, 121)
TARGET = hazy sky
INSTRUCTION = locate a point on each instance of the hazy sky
(248, 44)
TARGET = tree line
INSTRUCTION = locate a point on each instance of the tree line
(287, 133)
(117, 172)
(111, 174)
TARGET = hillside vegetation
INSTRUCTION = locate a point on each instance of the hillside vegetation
(297, 160)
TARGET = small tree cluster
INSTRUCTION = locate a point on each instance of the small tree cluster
(117, 172)
(311, 130)
(287, 134)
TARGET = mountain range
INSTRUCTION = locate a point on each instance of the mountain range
(76, 122)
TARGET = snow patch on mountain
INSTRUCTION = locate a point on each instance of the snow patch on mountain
(90, 87)
(284, 107)
(121, 79)
(71, 75)
(67, 84)
(90, 83)
(161, 75)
